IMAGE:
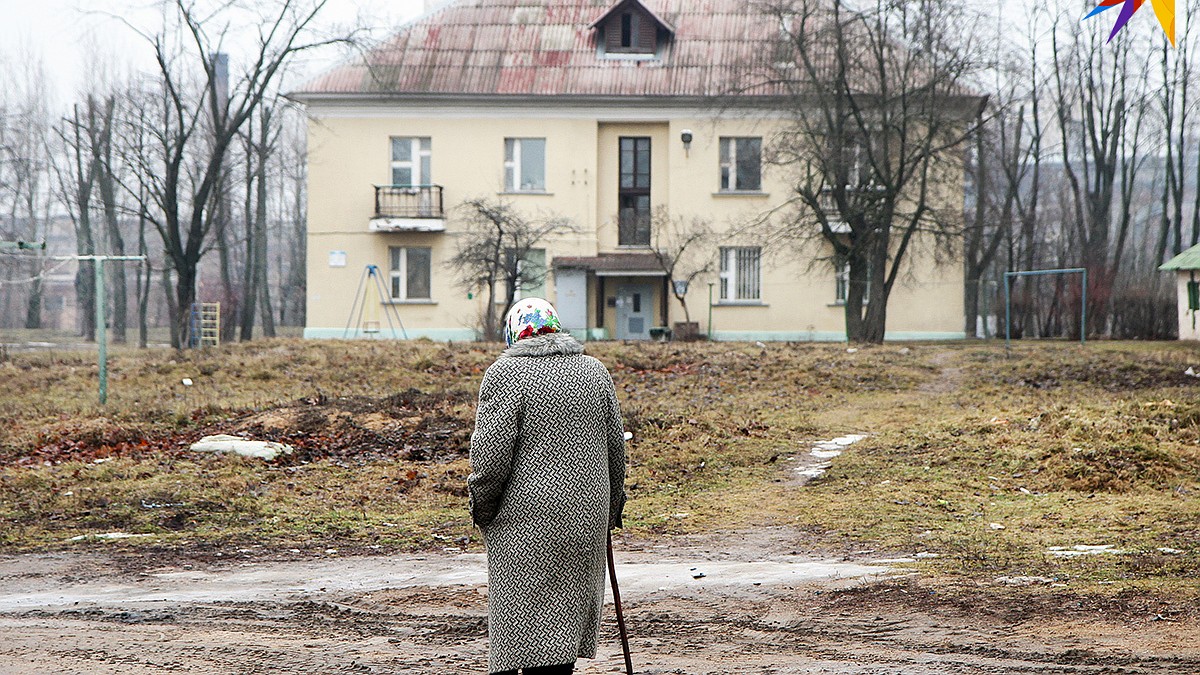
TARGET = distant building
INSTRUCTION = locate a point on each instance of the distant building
(597, 110)
(1186, 266)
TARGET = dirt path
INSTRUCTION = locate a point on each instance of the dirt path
(757, 609)
(948, 379)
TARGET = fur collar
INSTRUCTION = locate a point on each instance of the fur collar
(550, 344)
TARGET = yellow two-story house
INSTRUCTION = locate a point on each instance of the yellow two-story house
(608, 113)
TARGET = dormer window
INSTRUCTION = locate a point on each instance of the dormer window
(630, 30)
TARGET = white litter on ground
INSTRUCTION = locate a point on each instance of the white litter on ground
(108, 535)
(1023, 581)
(1082, 549)
(240, 446)
(827, 450)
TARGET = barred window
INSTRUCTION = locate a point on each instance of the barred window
(741, 274)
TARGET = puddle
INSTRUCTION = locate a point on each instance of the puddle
(43, 585)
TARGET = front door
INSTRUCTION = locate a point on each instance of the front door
(635, 307)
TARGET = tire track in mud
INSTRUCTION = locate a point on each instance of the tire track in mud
(444, 631)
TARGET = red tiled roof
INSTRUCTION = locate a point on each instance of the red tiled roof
(613, 9)
(545, 47)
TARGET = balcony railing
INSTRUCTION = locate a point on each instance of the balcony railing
(829, 206)
(408, 201)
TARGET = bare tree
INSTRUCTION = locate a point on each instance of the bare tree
(100, 139)
(292, 199)
(195, 125)
(24, 168)
(1007, 168)
(494, 248)
(256, 291)
(76, 180)
(1177, 121)
(681, 246)
(1100, 103)
(882, 100)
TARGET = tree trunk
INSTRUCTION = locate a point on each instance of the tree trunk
(856, 288)
(177, 329)
(115, 273)
(185, 297)
(971, 302)
(33, 310)
(144, 271)
(249, 277)
(261, 278)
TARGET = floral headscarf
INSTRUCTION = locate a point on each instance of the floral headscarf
(529, 317)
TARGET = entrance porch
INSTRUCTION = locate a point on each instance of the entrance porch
(615, 296)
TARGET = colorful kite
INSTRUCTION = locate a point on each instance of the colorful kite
(1163, 9)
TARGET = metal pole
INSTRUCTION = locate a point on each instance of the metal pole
(101, 331)
(1083, 312)
(1007, 312)
(710, 286)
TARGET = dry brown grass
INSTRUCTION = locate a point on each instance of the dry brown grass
(1061, 445)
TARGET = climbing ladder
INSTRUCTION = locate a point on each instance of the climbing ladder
(205, 324)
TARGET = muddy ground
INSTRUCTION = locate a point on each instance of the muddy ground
(759, 608)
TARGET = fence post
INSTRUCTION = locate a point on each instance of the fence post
(101, 329)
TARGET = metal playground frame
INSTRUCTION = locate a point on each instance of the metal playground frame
(1009, 276)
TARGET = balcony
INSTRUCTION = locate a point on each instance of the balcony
(829, 206)
(408, 208)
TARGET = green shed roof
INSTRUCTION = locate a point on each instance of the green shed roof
(1188, 260)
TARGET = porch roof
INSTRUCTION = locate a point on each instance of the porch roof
(614, 264)
(1188, 260)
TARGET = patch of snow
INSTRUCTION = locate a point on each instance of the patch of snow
(1023, 581)
(1169, 551)
(108, 535)
(1082, 549)
(827, 450)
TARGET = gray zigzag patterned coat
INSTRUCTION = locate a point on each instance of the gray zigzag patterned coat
(547, 482)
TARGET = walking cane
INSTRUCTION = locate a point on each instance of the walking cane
(612, 575)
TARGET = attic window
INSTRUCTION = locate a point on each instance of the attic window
(630, 30)
(627, 30)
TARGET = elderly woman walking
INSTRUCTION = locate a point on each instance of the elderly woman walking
(547, 484)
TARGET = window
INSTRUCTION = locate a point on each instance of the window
(842, 277)
(631, 34)
(531, 269)
(741, 164)
(741, 277)
(410, 160)
(410, 271)
(841, 267)
(525, 164)
(633, 195)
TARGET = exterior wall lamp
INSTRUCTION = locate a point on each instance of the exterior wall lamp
(686, 137)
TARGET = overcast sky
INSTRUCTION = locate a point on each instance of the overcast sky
(63, 32)
(60, 32)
